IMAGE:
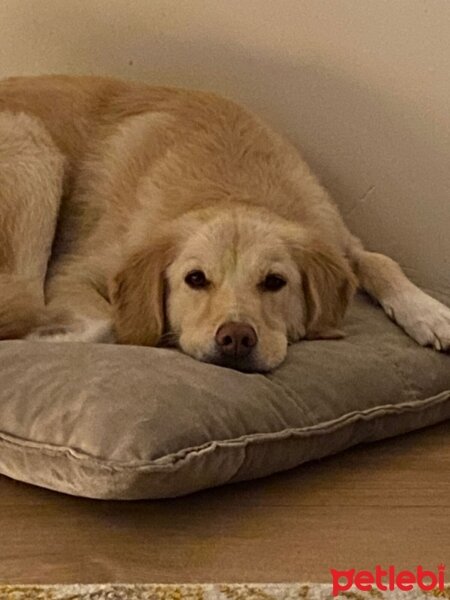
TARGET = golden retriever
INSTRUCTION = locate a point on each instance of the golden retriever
(149, 215)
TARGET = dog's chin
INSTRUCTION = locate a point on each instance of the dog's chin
(243, 365)
(249, 364)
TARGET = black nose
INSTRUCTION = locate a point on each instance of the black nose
(236, 340)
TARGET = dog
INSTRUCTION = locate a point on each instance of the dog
(155, 216)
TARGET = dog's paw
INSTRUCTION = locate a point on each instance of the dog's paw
(81, 330)
(424, 319)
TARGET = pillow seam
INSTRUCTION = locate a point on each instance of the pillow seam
(170, 461)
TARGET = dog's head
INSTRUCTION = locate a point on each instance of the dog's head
(232, 289)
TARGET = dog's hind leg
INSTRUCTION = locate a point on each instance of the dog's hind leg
(31, 180)
(81, 307)
(422, 317)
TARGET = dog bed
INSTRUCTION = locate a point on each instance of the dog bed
(124, 422)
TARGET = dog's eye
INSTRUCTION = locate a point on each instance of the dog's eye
(196, 280)
(272, 283)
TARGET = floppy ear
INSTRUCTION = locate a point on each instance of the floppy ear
(328, 286)
(137, 295)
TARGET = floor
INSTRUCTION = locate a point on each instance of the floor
(386, 503)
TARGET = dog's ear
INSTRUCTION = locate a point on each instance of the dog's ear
(328, 285)
(137, 294)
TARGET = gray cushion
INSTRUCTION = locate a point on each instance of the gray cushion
(108, 421)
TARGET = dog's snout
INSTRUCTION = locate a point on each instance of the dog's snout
(236, 340)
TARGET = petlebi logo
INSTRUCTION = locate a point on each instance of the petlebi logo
(388, 579)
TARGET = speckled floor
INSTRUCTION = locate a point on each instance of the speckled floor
(206, 592)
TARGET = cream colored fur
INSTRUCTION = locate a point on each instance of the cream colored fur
(149, 184)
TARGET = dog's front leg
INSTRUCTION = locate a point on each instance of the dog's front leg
(422, 317)
(77, 312)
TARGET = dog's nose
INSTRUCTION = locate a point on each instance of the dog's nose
(236, 340)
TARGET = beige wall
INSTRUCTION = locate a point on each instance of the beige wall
(363, 86)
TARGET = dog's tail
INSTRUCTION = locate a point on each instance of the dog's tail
(21, 308)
